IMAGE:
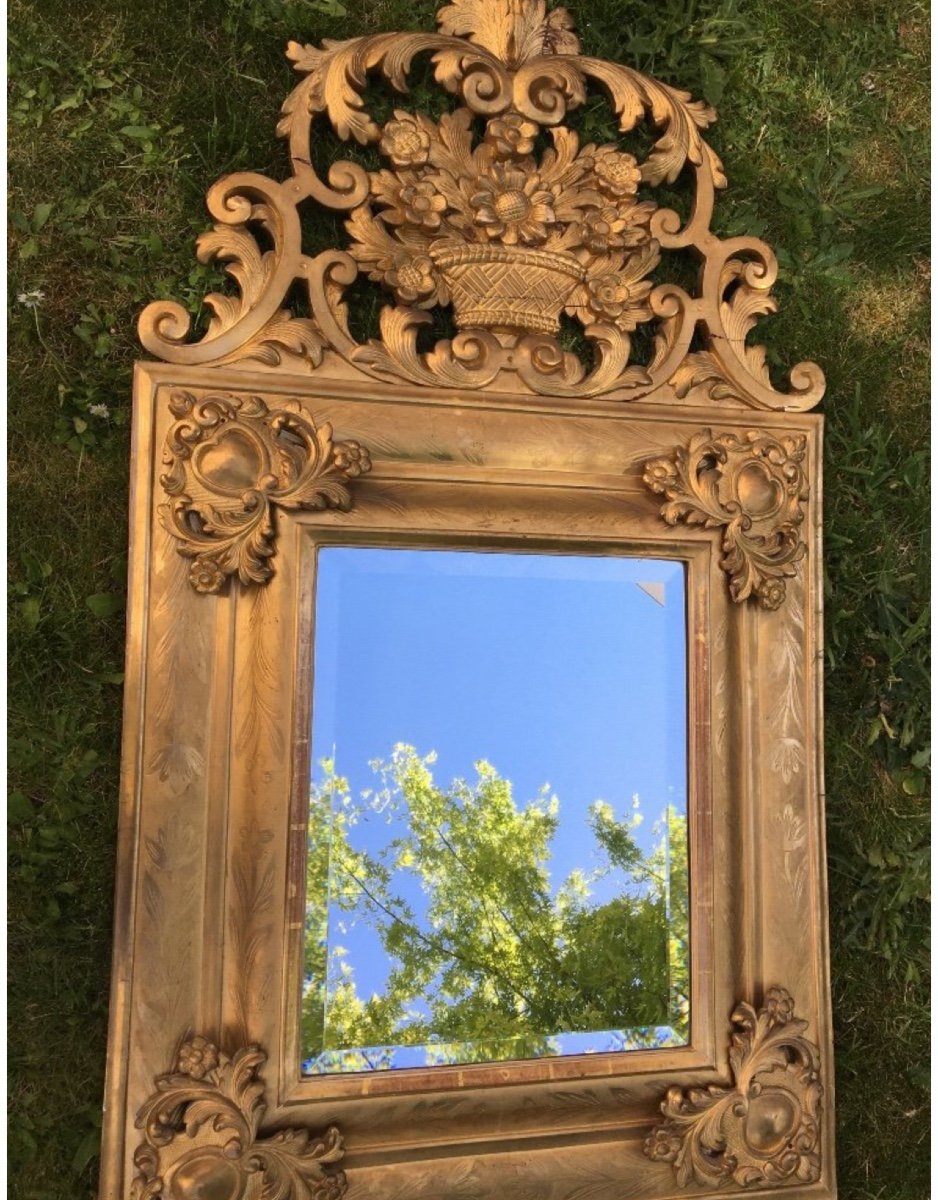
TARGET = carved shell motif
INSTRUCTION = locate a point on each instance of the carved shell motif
(201, 1137)
(752, 487)
(763, 1130)
(231, 462)
(499, 211)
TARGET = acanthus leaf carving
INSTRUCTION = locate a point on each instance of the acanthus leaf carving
(201, 1136)
(231, 462)
(752, 487)
(511, 236)
(762, 1130)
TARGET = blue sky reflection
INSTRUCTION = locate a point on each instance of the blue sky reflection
(566, 673)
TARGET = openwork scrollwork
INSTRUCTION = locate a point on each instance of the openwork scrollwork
(201, 1137)
(499, 212)
(231, 462)
(753, 488)
(763, 1130)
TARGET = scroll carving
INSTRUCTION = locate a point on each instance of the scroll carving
(763, 1130)
(231, 462)
(499, 212)
(201, 1137)
(752, 487)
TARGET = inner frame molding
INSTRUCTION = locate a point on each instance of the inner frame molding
(654, 431)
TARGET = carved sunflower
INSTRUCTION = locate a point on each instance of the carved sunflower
(405, 142)
(618, 174)
(510, 205)
(511, 136)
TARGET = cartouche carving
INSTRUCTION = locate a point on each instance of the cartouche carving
(765, 1129)
(509, 220)
(753, 487)
(231, 462)
(201, 1137)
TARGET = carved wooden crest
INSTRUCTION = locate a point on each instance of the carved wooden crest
(500, 213)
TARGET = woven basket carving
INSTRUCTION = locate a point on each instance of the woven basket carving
(506, 286)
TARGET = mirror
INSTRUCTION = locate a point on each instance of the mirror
(497, 854)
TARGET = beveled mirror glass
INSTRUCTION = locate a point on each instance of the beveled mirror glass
(497, 861)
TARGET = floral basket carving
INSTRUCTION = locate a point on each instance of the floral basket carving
(498, 287)
(500, 211)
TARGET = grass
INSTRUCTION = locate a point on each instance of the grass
(122, 114)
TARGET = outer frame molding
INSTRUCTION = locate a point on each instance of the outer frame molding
(277, 434)
(210, 901)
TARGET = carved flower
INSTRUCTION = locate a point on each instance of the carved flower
(779, 1005)
(618, 174)
(351, 458)
(197, 1058)
(331, 1187)
(607, 229)
(663, 1144)
(405, 142)
(509, 204)
(610, 298)
(206, 576)
(771, 593)
(419, 204)
(511, 135)
(412, 279)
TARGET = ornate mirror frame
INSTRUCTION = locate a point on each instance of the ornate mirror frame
(275, 432)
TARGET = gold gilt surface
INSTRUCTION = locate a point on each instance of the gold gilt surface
(275, 433)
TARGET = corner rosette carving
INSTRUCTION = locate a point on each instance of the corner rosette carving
(754, 487)
(201, 1137)
(764, 1130)
(497, 211)
(231, 462)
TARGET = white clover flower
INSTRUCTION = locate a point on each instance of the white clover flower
(99, 410)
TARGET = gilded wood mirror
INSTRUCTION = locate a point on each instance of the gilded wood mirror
(472, 829)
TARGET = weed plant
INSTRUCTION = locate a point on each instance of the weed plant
(121, 115)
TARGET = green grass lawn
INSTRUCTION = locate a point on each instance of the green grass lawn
(122, 115)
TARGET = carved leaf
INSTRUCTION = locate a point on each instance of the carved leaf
(250, 267)
(511, 32)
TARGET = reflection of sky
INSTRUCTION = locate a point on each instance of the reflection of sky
(559, 669)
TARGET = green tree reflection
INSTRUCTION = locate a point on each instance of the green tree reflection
(486, 959)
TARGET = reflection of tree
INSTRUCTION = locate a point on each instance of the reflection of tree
(481, 948)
